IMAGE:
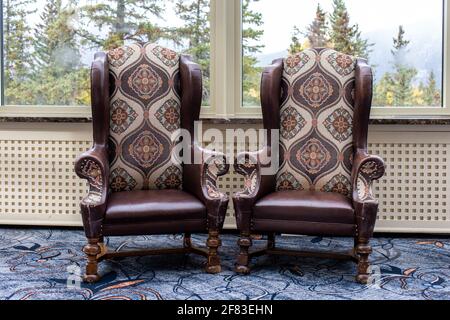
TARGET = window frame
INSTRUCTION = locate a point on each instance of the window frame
(226, 76)
(85, 112)
(239, 111)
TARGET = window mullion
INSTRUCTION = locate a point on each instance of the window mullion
(222, 63)
(446, 86)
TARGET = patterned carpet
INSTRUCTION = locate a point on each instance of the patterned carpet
(39, 264)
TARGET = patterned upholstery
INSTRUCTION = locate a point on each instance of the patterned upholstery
(316, 122)
(144, 112)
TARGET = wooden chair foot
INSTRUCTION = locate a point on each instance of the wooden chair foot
(363, 278)
(92, 250)
(271, 241)
(103, 249)
(363, 251)
(243, 260)
(213, 269)
(91, 278)
(187, 241)
(242, 269)
(213, 243)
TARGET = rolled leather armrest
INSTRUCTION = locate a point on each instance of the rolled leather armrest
(214, 166)
(93, 166)
(201, 179)
(256, 185)
(366, 169)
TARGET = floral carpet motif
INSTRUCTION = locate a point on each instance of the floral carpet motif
(40, 263)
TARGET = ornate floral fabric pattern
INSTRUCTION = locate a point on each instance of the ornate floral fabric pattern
(169, 115)
(122, 116)
(316, 90)
(339, 124)
(313, 156)
(316, 122)
(294, 63)
(288, 182)
(339, 184)
(121, 181)
(118, 57)
(145, 111)
(170, 179)
(145, 82)
(292, 122)
(167, 56)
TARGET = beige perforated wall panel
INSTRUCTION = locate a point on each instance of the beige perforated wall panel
(38, 185)
(414, 195)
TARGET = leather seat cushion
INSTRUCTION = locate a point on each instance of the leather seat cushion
(308, 206)
(153, 205)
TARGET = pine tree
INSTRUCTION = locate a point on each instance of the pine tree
(58, 77)
(383, 93)
(316, 34)
(431, 92)
(124, 20)
(251, 34)
(403, 76)
(317, 31)
(196, 32)
(346, 38)
(400, 43)
(296, 44)
(54, 42)
(17, 39)
(17, 48)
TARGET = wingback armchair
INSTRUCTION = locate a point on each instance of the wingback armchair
(142, 94)
(320, 102)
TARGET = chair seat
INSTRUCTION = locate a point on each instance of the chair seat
(153, 205)
(307, 206)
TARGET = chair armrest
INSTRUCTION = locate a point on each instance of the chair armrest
(247, 164)
(214, 166)
(366, 169)
(259, 177)
(256, 185)
(201, 180)
(93, 166)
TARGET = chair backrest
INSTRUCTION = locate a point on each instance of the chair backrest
(316, 122)
(145, 110)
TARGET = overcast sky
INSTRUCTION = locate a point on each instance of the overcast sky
(281, 15)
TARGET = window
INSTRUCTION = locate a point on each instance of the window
(405, 46)
(48, 45)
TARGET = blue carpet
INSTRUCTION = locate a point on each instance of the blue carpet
(43, 264)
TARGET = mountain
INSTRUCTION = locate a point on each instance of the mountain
(266, 59)
(425, 51)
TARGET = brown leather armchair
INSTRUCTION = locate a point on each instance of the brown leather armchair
(320, 102)
(141, 95)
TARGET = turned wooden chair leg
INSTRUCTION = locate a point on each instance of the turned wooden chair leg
(363, 251)
(243, 260)
(271, 241)
(213, 265)
(92, 250)
(103, 247)
(187, 241)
